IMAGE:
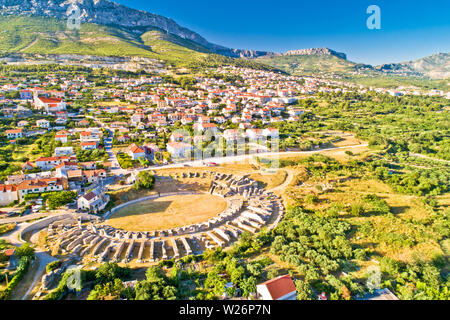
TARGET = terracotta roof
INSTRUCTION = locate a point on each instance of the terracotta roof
(9, 252)
(89, 196)
(280, 286)
(31, 184)
(134, 148)
(50, 100)
(52, 158)
(74, 173)
(13, 131)
(89, 143)
(8, 187)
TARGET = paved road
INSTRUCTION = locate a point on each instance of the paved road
(27, 217)
(116, 170)
(243, 158)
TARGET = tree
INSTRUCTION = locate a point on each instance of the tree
(304, 290)
(155, 290)
(59, 199)
(248, 286)
(110, 271)
(26, 250)
(144, 180)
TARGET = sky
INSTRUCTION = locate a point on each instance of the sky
(408, 29)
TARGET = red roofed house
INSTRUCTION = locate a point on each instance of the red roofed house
(12, 260)
(50, 105)
(8, 194)
(135, 152)
(205, 126)
(280, 288)
(48, 163)
(14, 133)
(270, 132)
(41, 186)
(93, 201)
(89, 145)
(83, 123)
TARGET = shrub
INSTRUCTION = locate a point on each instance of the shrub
(26, 250)
(53, 266)
(311, 199)
(357, 210)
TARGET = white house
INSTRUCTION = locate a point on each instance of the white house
(50, 105)
(43, 123)
(14, 133)
(89, 145)
(270, 132)
(93, 201)
(135, 152)
(48, 163)
(178, 149)
(8, 194)
(61, 137)
(41, 186)
(205, 126)
(253, 133)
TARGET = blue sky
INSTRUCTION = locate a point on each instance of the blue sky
(409, 29)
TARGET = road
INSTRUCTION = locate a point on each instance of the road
(117, 170)
(243, 158)
(27, 217)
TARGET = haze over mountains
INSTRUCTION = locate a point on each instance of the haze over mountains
(130, 32)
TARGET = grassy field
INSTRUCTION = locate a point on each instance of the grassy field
(5, 228)
(168, 212)
(401, 235)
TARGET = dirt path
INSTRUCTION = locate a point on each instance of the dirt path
(42, 259)
(286, 183)
(29, 45)
(417, 155)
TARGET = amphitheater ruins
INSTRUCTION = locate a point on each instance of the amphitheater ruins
(249, 208)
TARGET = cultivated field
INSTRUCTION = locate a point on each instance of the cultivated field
(168, 212)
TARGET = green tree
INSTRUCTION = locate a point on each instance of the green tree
(26, 250)
(144, 180)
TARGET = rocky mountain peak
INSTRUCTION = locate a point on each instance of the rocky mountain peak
(316, 51)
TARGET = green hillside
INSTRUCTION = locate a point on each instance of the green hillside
(51, 36)
(38, 35)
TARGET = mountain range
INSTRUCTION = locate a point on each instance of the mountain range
(111, 29)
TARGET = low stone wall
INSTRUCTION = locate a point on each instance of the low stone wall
(43, 223)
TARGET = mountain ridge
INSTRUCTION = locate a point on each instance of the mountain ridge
(131, 32)
(105, 12)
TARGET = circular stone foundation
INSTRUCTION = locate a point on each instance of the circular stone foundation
(167, 212)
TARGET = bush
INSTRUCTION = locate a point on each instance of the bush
(357, 210)
(58, 199)
(311, 199)
(18, 275)
(8, 227)
(26, 250)
(53, 266)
